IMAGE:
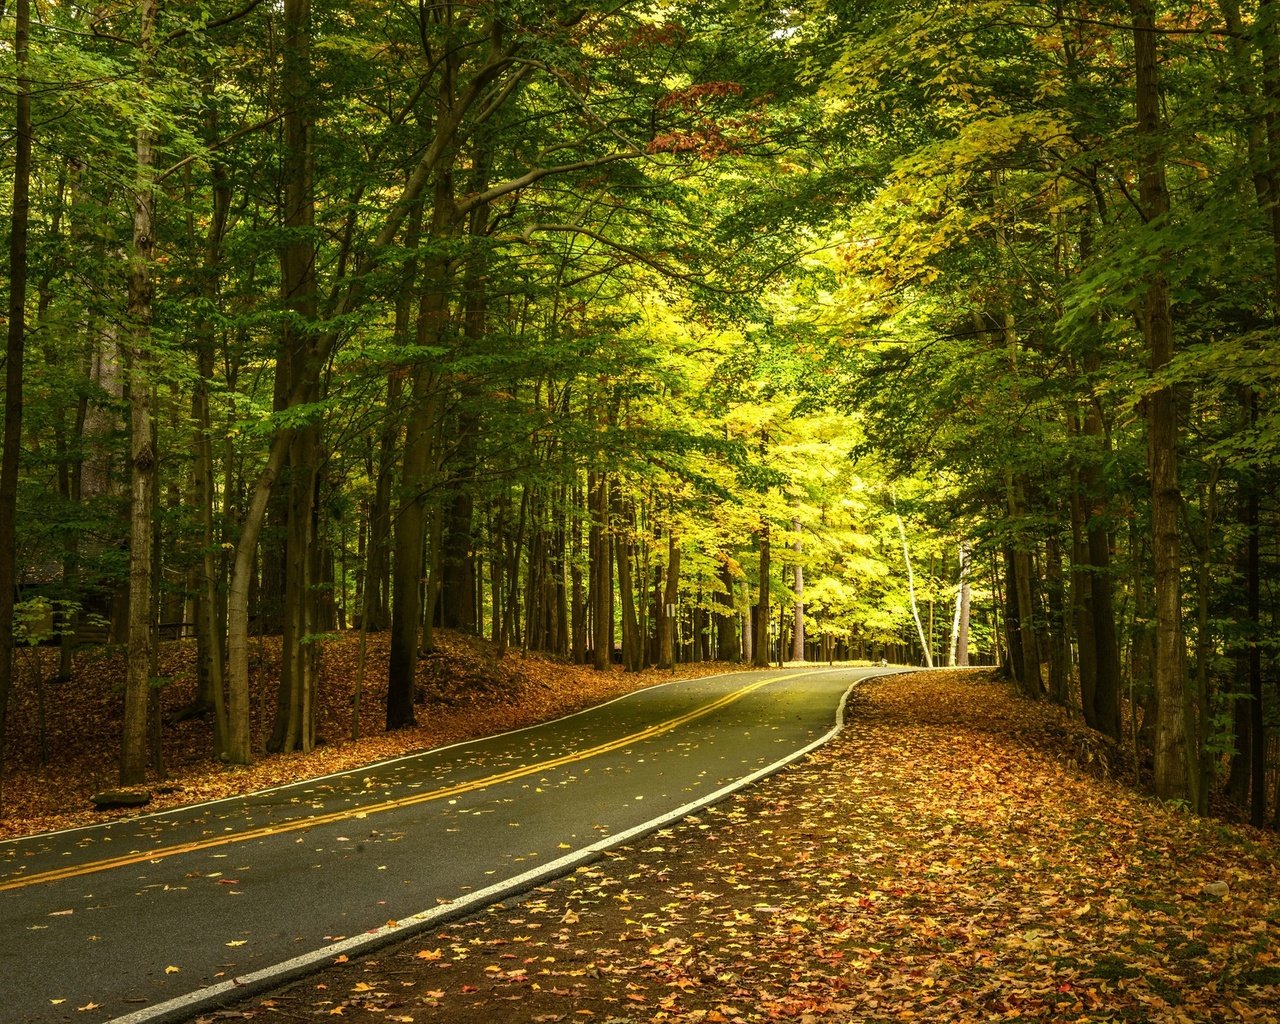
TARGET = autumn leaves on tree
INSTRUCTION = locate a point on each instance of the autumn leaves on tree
(647, 336)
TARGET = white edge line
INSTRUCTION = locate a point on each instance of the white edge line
(270, 977)
(128, 820)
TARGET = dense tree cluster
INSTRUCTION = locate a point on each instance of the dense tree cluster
(676, 331)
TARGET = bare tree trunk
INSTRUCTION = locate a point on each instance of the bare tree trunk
(624, 551)
(728, 647)
(577, 600)
(1059, 617)
(238, 735)
(760, 642)
(1175, 775)
(797, 633)
(670, 599)
(210, 628)
(958, 651)
(911, 590)
(601, 574)
(411, 522)
(133, 751)
(14, 354)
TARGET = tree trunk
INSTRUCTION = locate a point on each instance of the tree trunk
(1059, 623)
(1029, 682)
(1176, 777)
(458, 557)
(958, 651)
(210, 626)
(1082, 601)
(411, 516)
(670, 604)
(760, 642)
(142, 455)
(1253, 648)
(911, 590)
(624, 551)
(293, 729)
(578, 603)
(238, 734)
(797, 632)
(728, 647)
(601, 574)
(1106, 646)
(14, 354)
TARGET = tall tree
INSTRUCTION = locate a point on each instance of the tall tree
(1175, 775)
(15, 348)
(142, 456)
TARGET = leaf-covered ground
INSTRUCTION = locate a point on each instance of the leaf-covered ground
(64, 738)
(945, 859)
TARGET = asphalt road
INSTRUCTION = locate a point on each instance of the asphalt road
(154, 918)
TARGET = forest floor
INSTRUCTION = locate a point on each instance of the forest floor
(64, 737)
(956, 854)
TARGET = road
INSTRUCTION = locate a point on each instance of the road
(154, 918)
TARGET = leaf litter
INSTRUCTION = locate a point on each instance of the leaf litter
(465, 690)
(951, 856)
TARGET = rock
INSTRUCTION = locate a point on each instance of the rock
(112, 798)
(1218, 889)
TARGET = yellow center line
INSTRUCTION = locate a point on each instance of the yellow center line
(160, 853)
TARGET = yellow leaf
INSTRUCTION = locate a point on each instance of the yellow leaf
(88, 1006)
(237, 942)
(57, 1002)
(172, 970)
(430, 954)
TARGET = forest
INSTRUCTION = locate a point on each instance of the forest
(943, 333)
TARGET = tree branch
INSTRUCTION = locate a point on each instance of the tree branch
(215, 146)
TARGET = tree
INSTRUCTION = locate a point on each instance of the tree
(15, 345)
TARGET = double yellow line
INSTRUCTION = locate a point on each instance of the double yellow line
(302, 824)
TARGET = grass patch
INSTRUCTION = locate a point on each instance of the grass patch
(1112, 968)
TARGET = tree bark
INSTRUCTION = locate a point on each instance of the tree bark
(911, 590)
(411, 516)
(624, 551)
(670, 605)
(142, 455)
(210, 626)
(760, 642)
(797, 633)
(728, 646)
(293, 728)
(958, 651)
(601, 574)
(1176, 777)
(15, 347)
(1029, 682)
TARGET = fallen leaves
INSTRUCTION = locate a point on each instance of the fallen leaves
(949, 857)
(467, 691)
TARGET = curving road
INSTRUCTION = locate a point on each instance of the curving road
(157, 917)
